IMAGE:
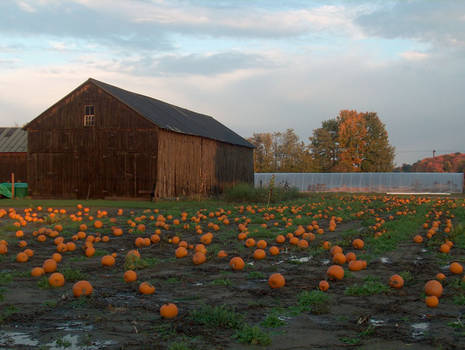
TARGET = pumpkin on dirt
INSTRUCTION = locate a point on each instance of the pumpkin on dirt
(146, 288)
(274, 250)
(49, 265)
(130, 276)
(259, 254)
(180, 252)
(396, 281)
(276, 280)
(82, 288)
(358, 243)
(456, 268)
(37, 272)
(169, 311)
(199, 258)
(433, 288)
(432, 301)
(222, 254)
(108, 260)
(56, 280)
(335, 272)
(323, 285)
(22, 257)
(237, 263)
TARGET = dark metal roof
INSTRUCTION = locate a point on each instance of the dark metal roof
(173, 118)
(13, 140)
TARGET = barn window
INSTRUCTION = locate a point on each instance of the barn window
(89, 116)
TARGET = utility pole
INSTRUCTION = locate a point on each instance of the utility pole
(434, 153)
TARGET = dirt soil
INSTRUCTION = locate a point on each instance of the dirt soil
(117, 316)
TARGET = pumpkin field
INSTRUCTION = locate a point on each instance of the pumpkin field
(325, 271)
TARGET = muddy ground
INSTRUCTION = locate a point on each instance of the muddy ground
(117, 316)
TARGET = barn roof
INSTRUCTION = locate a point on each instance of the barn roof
(173, 118)
(13, 140)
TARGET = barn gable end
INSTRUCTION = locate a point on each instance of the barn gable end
(128, 149)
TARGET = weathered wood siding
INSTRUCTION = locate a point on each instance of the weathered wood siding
(191, 164)
(13, 162)
(115, 158)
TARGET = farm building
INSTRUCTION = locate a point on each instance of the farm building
(102, 141)
(13, 154)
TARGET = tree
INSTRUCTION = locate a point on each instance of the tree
(281, 152)
(352, 139)
(324, 146)
(379, 154)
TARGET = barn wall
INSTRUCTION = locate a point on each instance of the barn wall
(191, 164)
(13, 162)
(115, 158)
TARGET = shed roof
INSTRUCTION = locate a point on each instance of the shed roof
(13, 140)
(173, 118)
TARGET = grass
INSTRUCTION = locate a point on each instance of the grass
(253, 335)
(371, 286)
(314, 301)
(42, 283)
(73, 275)
(133, 262)
(256, 275)
(272, 321)
(7, 311)
(358, 338)
(179, 346)
(226, 282)
(5, 278)
(217, 317)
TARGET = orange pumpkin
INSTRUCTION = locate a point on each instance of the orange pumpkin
(199, 258)
(396, 281)
(456, 268)
(82, 288)
(432, 301)
(108, 260)
(274, 250)
(433, 287)
(358, 243)
(335, 272)
(237, 263)
(169, 311)
(22, 257)
(181, 252)
(261, 244)
(130, 276)
(49, 265)
(222, 254)
(259, 254)
(276, 280)
(146, 288)
(37, 272)
(56, 279)
(323, 285)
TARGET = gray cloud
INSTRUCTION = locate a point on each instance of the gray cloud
(441, 23)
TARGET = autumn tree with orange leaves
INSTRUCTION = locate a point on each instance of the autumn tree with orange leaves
(352, 142)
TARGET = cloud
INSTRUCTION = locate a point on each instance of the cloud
(414, 55)
(437, 22)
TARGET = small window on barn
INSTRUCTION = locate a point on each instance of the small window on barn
(89, 116)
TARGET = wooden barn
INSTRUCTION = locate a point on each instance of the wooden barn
(101, 141)
(13, 154)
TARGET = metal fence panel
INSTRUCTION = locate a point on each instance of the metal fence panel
(367, 182)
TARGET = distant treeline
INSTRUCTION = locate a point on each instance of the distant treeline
(446, 163)
(351, 142)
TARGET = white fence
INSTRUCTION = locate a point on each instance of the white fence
(367, 182)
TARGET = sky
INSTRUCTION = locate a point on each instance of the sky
(254, 65)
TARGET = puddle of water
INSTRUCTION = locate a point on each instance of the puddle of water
(385, 260)
(301, 260)
(278, 262)
(198, 284)
(74, 326)
(376, 322)
(419, 329)
(424, 250)
(72, 342)
(16, 338)
(325, 262)
(251, 263)
(284, 318)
